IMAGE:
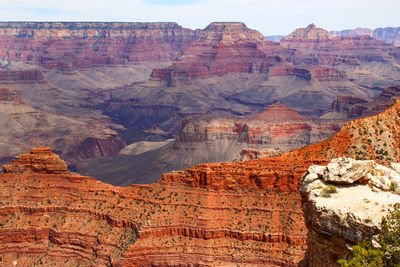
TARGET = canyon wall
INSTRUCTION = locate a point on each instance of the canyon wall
(243, 213)
(389, 35)
(114, 84)
(210, 138)
(51, 216)
(67, 45)
(346, 106)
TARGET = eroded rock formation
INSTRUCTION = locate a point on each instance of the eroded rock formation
(345, 202)
(346, 106)
(389, 35)
(112, 84)
(65, 219)
(69, 45)
(239, 213)
(210, 138)
(38, 160)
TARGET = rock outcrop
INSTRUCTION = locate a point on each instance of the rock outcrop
(38, 160)
(228, 33)
(311, 32)
(317, 40)
(74, 137)
(217, 50)
(350, 107)
(345, 202)
(68, 219)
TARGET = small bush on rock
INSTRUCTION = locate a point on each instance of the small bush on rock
(363, 254)
(327, 191)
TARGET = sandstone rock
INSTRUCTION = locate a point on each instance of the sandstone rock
(278, 113)
(310, 32)
(349, 215)
(37, 160)
(210, 138)
(347, 170)
(355, 107)
(355, 32)
(228, 32)
(68, 219)
(21, 76)
(82, 45)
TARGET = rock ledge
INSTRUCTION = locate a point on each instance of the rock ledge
(344, 202)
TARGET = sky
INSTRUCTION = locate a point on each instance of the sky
(270, 17)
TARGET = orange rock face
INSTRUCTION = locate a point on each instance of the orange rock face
(237, 213)
(65, 219)
(38, 160)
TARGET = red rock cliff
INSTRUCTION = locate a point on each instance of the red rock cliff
(212, 214)
(83, 44)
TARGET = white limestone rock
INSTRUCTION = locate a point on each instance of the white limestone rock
(347, 170)
(364, 196)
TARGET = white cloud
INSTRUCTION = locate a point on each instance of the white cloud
(268, 16)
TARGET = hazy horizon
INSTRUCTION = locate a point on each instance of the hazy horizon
(278, 17)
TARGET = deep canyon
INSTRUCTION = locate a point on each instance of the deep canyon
(196, 140)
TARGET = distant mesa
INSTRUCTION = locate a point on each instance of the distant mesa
(228, 32)
(389, 35)
(279, 113)
(219, 26)
(37, 160)
(310, 32)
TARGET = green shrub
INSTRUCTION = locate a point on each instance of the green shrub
(363, 254)
(328, 190)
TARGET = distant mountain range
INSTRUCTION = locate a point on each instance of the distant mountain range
(389, 35)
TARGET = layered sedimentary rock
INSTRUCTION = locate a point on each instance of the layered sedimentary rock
(64, 70)
(20, 76)
(345, 202)
(369, 138)
(389, 35)
(209, 138)
(228, 32)
(67, 45)
(38, 160)
(275, 130)
(137, 81)
(313, 39)
(347, 106)
(359, 58)
(65, 219)
(311, 32)
(24, 126)
(310, 73)
(99, 86)
(219, 213)
(217, 50)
